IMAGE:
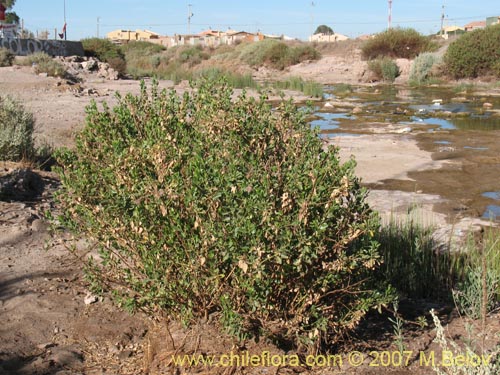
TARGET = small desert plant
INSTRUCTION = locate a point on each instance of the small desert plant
(474, 54)
(397, 43)
(234, 80)
(482, 363)
(6, 57)
(16, 130)
(397, 326)
(479, 291)
(384, 69)
(205, 204)
(43, 63)
(422, 67)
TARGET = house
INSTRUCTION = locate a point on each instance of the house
(492, 21)
(471, 26)
(448, 31)
(125, 36)
(327, 38)
(235, 37)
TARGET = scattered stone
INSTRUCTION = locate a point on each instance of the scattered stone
(46, 345)
(125, 354)
(404, 130)
(90, 299)
(66, 357)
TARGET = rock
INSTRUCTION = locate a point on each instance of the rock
(39, 225)
(89, 65)
(66, 357)
(487, 105)
(125, 354)
(46, 345)
(43, 75)
(404, 130)
(90, 299)
(328, 105)
(20, 185)
(357, 110)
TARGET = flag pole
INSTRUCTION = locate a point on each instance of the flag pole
(65, 20)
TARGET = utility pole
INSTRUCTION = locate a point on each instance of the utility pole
(98, 19)
(190, 15)
(442, 20)
(390, 15)
(312, 21)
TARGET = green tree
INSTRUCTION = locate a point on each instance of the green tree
(8, 3)
(12, 17)
(323, 29)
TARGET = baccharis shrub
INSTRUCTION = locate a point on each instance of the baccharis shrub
(207, 204)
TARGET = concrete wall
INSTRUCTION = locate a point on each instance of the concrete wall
(23, 47)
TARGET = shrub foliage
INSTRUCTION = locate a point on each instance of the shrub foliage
(397, 43)
(16, 131)
(207, 205)
(422, 68)
(384, 69)
(276, 54)
(43, 63)
(474, 54)
(6, 57)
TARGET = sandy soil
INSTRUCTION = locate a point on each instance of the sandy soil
(50, 323)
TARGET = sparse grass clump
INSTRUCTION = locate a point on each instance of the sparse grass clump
(16, 131)
(309, 88)
(235, 80)
(207, 204)
(475, 54)
(397, 43)
(6, 57)
(43, 63)
(384, 69)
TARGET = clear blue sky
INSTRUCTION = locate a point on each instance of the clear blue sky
(292, 17)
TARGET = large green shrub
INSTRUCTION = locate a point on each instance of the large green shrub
(422, 67)
(16, 130)
(6, 57)
(397, 43)
(474, 54)
(106, 51)
(208, 205)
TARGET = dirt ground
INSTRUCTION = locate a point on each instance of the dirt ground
(51, 324)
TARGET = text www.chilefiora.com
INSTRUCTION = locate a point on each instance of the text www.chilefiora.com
(445, 358)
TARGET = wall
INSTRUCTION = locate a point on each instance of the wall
(23, 47)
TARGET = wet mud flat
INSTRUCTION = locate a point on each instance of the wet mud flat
(458, 132)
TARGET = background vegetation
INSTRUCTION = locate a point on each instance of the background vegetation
(6, 57)
(397, 43)
(475, 54)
